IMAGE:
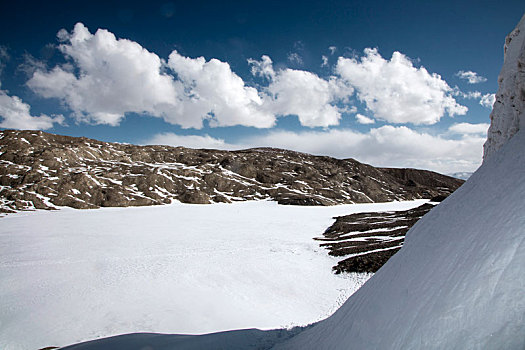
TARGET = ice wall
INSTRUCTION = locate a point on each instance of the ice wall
(509, 109)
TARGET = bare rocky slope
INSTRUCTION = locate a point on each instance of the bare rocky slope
(365, 241)
(43, 171)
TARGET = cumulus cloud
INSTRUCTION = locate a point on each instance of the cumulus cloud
(396, 91)
(262, 68)
(214, 92)
(487, 100)
(302, 93)
(105, 78)
(116, 76)
(471, 77)
(361, 119)
(16, 114)
(387, 146)
(467, 128)
(113, 77)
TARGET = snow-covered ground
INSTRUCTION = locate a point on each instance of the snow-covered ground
(73, 275)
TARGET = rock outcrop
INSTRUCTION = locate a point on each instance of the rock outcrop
(365, 241)
(44, 171)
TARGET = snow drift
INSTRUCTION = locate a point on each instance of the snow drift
(458, 283)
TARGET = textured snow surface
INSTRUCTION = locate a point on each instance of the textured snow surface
(459, 280)
(73, 275)
(508, 112)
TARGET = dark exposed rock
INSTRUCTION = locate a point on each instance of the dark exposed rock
(367, 240)
(41, 170)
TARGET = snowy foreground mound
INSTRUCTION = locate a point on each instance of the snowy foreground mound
(73, 275)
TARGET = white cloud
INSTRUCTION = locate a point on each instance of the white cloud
(301, 93)
(467, 128)
(106, 77)
(16, 114)
(387, 146)
(262, 68)
(214, 92)
(487, 100)
(471, 77)
(396, 91)
(332, 49)
(325, 61)
(295, 58)
(190, 141)
(470, 94)
(361, 119)
(116, 76)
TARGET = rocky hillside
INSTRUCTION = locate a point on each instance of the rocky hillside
(41, 170)
(365, 241)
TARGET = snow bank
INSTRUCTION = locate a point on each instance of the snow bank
(458, 282)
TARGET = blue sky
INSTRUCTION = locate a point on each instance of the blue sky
(405, 83)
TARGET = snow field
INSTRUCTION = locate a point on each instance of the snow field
(73, 275)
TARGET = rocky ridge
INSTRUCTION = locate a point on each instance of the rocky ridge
(44, 171)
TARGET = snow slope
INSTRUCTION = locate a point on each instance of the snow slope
(459, 280)
(73, 275)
